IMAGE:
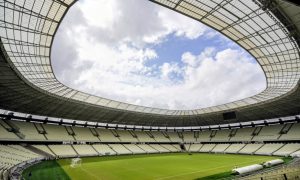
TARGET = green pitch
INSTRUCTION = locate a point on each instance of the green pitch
(156, 166)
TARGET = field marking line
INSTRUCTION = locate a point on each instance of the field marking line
(91, 174)
(182, 174)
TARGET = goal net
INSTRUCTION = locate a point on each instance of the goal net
(76, 162)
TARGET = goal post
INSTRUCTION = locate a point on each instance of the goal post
(76, 162)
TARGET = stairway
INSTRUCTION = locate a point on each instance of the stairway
(256, 132)
(232, 133)
(38, 151)
(114, 132)
(212, 134)
(95, 133)
(74, 150)
(70, 131)
(286, 128)
(40, 129)
(10, 127)
(165, 134)
(133, 134)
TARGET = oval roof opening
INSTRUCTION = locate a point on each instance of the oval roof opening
(144, 54)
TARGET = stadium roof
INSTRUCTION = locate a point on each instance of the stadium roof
(268, 30)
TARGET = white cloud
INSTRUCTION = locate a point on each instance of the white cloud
(181, 25)
(169, 69)
(100, 13)
(107, 53)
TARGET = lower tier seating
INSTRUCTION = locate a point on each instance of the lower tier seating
(104, 149)
(12, 155)
(159, 148)
(63, 150)
(207, 147)
(287, 150)
(278, 149)
(134, 149)
(148, 148)
(194, 147)
(219, 148)
(44, 148)
(171, 148)
(234, 148)
(85, 150)
(268, 149)
(120, 149)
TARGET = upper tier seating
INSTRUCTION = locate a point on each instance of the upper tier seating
(204, 136)
(29, 130)
(188, 137)
(222, 136)
(293, 133)
(143, 137)
(174, 137)
(243, 134)
(159, 136)
(84, 134)
(125, 136)
(268, 133)
(49, 132)
(6, 135)
(106, 135)
(57, 133)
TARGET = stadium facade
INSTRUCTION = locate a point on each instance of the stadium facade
(267, 123)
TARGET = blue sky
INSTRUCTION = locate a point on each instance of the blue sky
(172, 48)
(141, 53)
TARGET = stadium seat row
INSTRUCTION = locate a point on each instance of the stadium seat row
(12, 155)
(278, 149)
(46, 132)
(106, 149)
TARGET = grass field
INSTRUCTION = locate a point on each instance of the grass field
(156, 166)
